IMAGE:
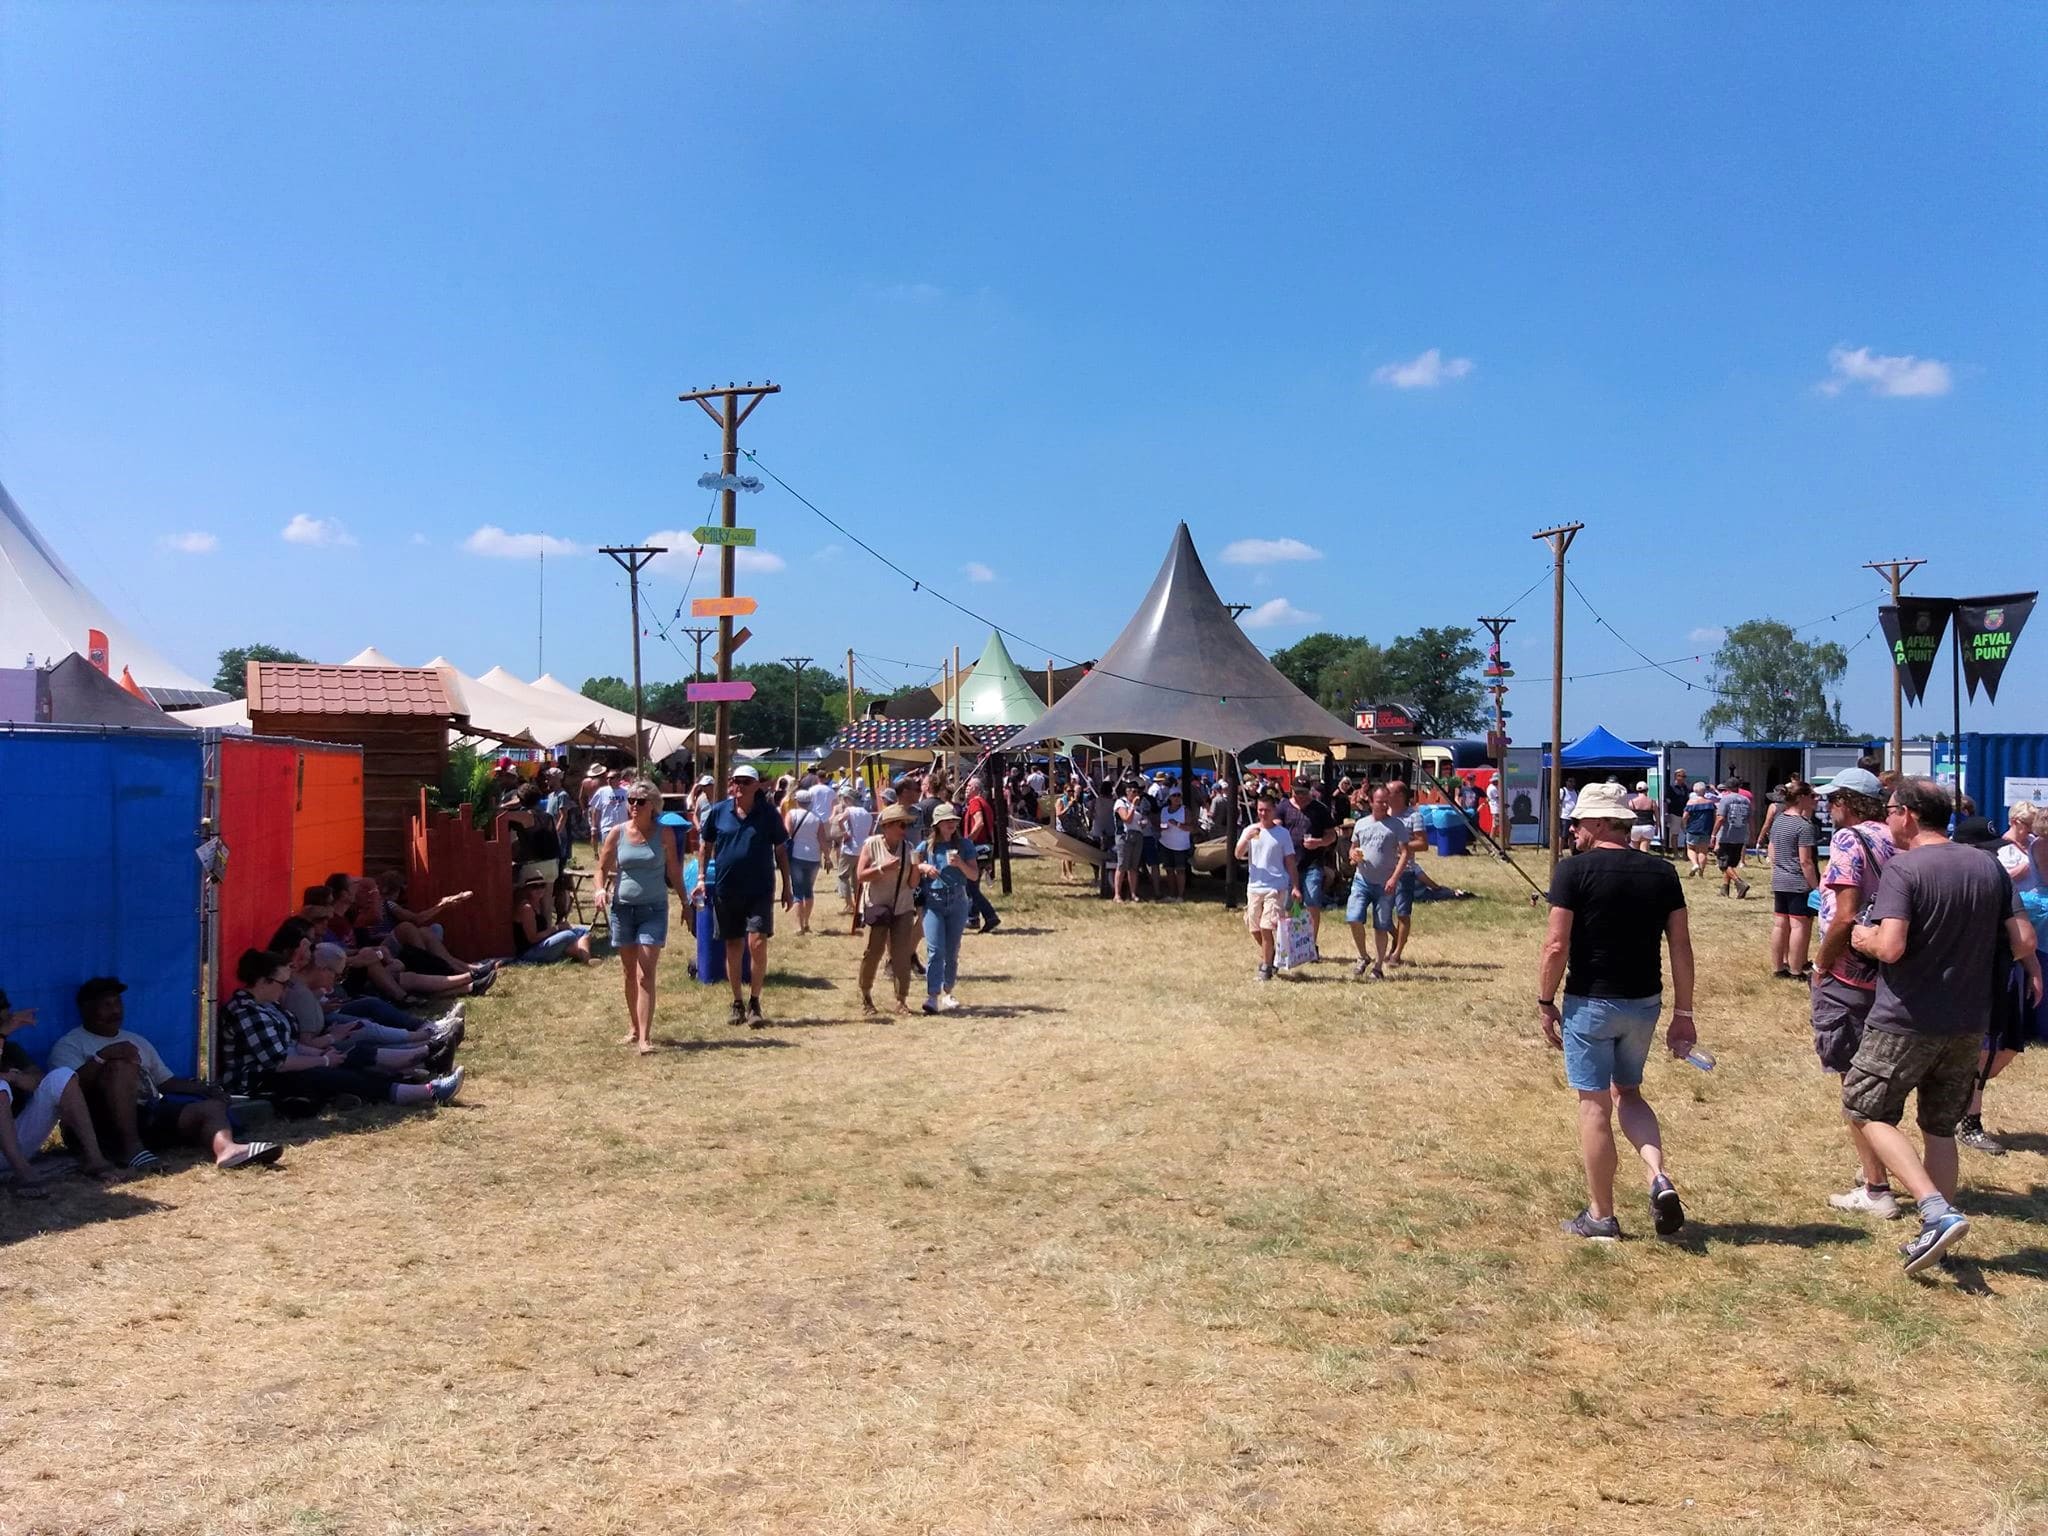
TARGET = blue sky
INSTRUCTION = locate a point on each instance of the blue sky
(1755, 295)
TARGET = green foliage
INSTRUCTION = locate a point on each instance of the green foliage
(233, 676)
(1773, 686)
(612, 692)
(1433, 671)
(465, 781)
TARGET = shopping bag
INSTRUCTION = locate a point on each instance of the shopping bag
(1293, 944)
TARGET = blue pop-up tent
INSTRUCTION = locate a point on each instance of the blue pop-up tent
(1601, 748)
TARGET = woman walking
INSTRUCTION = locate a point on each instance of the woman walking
(636, 869)
(805, 854)
(888, 908)
(951, 871)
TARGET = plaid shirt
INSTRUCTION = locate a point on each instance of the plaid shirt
(254, 1038)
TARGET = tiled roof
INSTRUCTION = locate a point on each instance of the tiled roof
(289, 688)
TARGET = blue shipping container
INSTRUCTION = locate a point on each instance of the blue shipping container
(1999, 769)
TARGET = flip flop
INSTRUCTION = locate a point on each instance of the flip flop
(255, 1154)
(147, 1161)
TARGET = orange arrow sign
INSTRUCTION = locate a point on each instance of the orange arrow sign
(721, 607)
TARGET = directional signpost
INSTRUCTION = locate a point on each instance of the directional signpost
(719, 693)
(712, 481)
(721, 607)
(738, 537)
(739, 638)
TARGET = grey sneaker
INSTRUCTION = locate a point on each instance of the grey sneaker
(1865, 1201)
(1971, 1133)
(1742, 890)
(1596, 1229)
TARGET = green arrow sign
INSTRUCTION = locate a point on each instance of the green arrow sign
(724, 536)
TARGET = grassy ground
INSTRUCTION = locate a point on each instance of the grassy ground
(1135, 1245)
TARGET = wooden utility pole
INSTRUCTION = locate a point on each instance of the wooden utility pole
(1896, 571)
(700, 635)
(849, 685)
(1497, 670)
(631, 558)
(728, 413)
(1560, 540)
(796, 665)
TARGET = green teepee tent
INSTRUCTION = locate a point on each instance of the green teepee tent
(995, 692)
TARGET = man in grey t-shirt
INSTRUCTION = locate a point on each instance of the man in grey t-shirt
(1795, 875)
(1731, 833)
(1379, 857)
(1939, 912)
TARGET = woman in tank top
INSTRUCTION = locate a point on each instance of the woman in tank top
(637, 868)
(803, 826)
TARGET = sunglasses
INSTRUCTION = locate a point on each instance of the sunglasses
(639, 800)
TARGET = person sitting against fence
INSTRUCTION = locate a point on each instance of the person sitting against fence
(33, 1102)
(326, 1015)
(138, 1107)
(373, 971)
(537, 939)
(382, 917)
(261, 1053)
(536, 848)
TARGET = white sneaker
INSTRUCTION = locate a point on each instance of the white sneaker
(948, 1003)
(1862, 1201)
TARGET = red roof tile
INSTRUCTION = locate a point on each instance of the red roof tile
(290, 688)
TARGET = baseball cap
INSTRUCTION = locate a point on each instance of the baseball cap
(1855, 781)
(747, 771)
(90, 992)
(1976, 832)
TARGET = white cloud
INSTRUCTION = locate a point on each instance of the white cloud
(974, 570)
(316, 530)
(1708, 634)
(828, 552)
(190, 543)
(681, 547)
(1276, 613)
(495, 542)
(1425, 372)
(1899, 377)
(1268, 551)
(761, 561)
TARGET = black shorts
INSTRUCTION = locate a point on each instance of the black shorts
(742, 913)
(1728, 855)
(1790, 904)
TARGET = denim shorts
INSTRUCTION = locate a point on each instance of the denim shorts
(1607, 1040)
(639, 922)
(1404, 892)
(803, 878)
(1315, 886)
(1370, 896)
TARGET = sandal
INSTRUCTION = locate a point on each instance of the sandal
(147, 1161)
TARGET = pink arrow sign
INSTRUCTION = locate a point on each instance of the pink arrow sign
(718, 693)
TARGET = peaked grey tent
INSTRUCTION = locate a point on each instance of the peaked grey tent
(1183, 670)
(75, 692)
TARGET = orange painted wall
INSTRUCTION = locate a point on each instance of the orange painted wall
(327, 816)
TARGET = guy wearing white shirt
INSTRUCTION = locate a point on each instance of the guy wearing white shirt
(1271, 877)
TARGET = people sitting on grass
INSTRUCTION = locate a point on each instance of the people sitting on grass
(536, 848)
(373, 971)
(537, 939)
(326, 1016)
(32, 1103)
(261, 1053)
(138, 1107)
(400, 929)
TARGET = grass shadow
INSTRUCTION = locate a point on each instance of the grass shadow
(73, 1203)
(2024, 1141)
(1006, 1010)
(1750, 1234)
(742, 1043)
(2031, 1263)
(2026, 1205)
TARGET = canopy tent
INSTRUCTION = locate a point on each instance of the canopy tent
(75, 692)
(1183, 670)
(994, 693)
(46, 613)
(1601, 748)
(231, 716)
(550, 693)
(516, 721)
(370, 656)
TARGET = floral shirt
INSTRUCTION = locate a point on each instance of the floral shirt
(1853, 876)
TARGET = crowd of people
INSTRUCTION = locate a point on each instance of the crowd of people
(1926, 985)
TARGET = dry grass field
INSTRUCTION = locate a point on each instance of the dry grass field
(1134, 1245)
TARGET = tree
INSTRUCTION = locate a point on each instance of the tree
(1434, 672)
(612, 692)
(233, 677)
(1773, 686)
(1304, 662)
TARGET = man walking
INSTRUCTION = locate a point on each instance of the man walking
(1939, 911)
(1409, 880)
(749, 842)
(1271, 877)
(1794, 877)
(1379, 857)
(1844, 983)
(1677, 790)
(1611, 910)
(1313, 851)
(1731, 836)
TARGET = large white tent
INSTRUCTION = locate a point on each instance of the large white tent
(662, 740)
(47, 613)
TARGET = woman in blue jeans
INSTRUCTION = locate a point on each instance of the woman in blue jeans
(951, 872)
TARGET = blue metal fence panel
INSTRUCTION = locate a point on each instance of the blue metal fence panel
(105, 881)
(1991, 759)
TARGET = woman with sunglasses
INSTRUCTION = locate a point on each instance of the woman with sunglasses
(950, 869)
(637, 868)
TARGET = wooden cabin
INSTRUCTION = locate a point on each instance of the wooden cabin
(399, 716)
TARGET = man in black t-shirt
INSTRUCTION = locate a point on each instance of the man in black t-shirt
(1611, 910)
(1316, 848)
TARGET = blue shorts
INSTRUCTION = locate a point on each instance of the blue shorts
(1315, 886)
(1370, 896)
(1404, 892)
(639, 922)
(556, 946)
(1607, 1040)
(803, 878)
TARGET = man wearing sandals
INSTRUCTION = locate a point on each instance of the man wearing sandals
(136, 1104)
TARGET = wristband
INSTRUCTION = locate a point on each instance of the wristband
(1681, 1013)
(1546, 1002)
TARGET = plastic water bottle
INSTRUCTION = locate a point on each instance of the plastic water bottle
(1700, 1057)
